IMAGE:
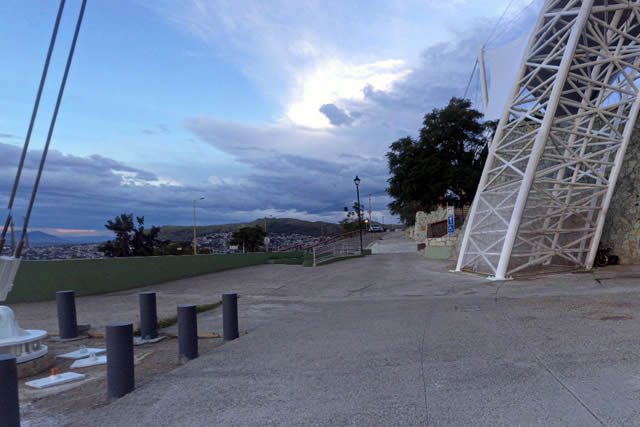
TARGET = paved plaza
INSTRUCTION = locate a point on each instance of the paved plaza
(391, 339)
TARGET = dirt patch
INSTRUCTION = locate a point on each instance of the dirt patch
(61, 405)
(607, 316)
(617, 317)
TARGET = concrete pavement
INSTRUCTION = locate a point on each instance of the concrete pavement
(395, 339)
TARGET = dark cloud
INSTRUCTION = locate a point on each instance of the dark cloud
(83, 192)
(157, 130)
(8, 136)
(335, 115)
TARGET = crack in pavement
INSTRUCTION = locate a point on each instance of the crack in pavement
(544, 365)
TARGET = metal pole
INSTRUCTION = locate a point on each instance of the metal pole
(67, 320)
(483, 77)
(496, 137)
(230, 316)
(359, 218)
(540, 141)
(195, 241)
(51, 127)
(187, 332)
(9, 403)
(148, 315)
(34, 113)
(120, 370)
(615, 172)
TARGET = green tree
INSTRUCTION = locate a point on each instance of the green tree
(443, 165)
(130, 240)
(251, 238)
(122, 226)
(173, 248)
(144, 241)
(350, 221)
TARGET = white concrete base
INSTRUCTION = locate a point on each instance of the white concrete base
(26, 344)
(140, 341)
(54, 380)
(82, 353)
(499, 279)
(92, 360)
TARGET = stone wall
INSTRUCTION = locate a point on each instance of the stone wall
(423, 220)
(621, 230)
(444, 247)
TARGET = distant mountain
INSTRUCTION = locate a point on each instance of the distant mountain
(38, 238)
(274, 225)
(79, 240)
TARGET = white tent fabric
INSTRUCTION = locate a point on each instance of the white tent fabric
(8, 270)
(503, 64)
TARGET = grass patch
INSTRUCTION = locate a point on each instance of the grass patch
(172, 320)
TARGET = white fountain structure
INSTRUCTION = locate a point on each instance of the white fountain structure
(24, 344)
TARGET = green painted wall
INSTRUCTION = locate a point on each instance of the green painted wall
(438, 252)
(39, 280)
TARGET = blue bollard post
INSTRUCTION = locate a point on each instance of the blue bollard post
(9, 404)
(230, 316)
(187, 332)
(120, 371)
(67, 321)
(148, 316)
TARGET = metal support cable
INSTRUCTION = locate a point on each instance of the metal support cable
(34, 114)
(470, 79)
(51, 127)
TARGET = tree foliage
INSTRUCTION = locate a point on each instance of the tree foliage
(350, 221)
(174, 248)
(443, 165)
(251, 238)
(130, 240)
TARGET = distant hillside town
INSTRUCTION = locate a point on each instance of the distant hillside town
(283, 233)
(216, 243)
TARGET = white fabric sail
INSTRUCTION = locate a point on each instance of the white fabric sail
(8, 270)
(503, 64)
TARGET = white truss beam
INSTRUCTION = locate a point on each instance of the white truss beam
(553, 163)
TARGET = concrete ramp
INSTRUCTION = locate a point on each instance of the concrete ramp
(394, 243)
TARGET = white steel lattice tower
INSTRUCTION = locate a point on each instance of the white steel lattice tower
(557, 152)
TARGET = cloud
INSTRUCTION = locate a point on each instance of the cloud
(346, 91)
(311, 168)
(339, 80)
(9, 136)
(83, 192)
(157, 130)
(335, 115)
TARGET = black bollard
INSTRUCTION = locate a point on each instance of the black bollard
(120, 372)
(187, 332)
(230, 316)
(67, 321)
(148, 316)
(9, 405)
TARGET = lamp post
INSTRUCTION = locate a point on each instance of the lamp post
(195, 242)
(357, 182)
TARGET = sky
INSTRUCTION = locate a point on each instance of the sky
(262, 108)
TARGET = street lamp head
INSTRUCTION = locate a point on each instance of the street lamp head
(201, 198)
(357, 180)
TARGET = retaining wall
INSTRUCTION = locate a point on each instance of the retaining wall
(39, 280)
